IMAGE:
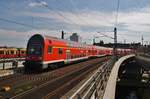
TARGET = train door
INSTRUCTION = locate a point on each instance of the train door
(67, 56)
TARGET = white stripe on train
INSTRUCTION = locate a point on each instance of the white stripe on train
(70, 60)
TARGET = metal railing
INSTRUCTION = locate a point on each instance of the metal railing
(95, 85)
(7, 63)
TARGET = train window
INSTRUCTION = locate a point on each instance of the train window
(34, 50)
(60, 51)
(1, 52)
(49, 49)
(7, 53)
(73, 56)
(12, 52)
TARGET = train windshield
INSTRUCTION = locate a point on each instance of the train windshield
(35, 50)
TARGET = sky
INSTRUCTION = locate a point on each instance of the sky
(20, 19)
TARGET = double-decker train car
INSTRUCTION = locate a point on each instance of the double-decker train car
(12, 52)
(122, 52)
(46, 51)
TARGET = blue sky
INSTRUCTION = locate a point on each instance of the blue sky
(19, 19)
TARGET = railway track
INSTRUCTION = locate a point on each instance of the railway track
(44, 78)
(68, 83)
(61, 84)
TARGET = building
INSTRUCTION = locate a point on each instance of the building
(74, 37)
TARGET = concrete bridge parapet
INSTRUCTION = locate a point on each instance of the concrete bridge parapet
(111, 84)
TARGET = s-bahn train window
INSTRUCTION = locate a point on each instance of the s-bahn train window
(7, 52)
(1, 52)
(12, 52)
(49, 49)
(22, 52)
(35, 50)
(60, 51)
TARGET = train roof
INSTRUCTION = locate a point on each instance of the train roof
(68, 42)
(101, 47)
(61, 41)
(64, 42)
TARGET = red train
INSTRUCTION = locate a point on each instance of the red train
(47, 51)
(7, 52)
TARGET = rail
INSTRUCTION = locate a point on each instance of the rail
(95, 84)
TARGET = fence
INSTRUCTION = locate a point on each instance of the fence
(95, 85)
(11, 63)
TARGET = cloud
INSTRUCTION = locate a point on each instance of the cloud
(136, 20)
(20, 39)
(12, 38)
(131, 24)
(132, 20)
(38, 4)
(80, 18)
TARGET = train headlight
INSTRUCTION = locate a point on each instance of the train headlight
(5, 88)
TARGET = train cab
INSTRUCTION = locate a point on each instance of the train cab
(34, 52)
(42, 51)
(46, 51)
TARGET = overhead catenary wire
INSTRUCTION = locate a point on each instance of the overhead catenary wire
(117, 13)
(15, 22)
(51, 9)
(115, 21)
(104, 35)
(75, 7)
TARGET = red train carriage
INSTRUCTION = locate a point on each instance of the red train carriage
(46, 51)
(2, 53)
(12, 52)
(8, 52)
(41, 51)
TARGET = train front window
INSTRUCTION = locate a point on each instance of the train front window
(35, 50)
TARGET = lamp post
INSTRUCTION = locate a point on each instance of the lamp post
(115, 42)
(62, 34)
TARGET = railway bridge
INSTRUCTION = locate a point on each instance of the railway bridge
(127, 78)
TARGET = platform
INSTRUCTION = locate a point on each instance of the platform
(6, 72)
